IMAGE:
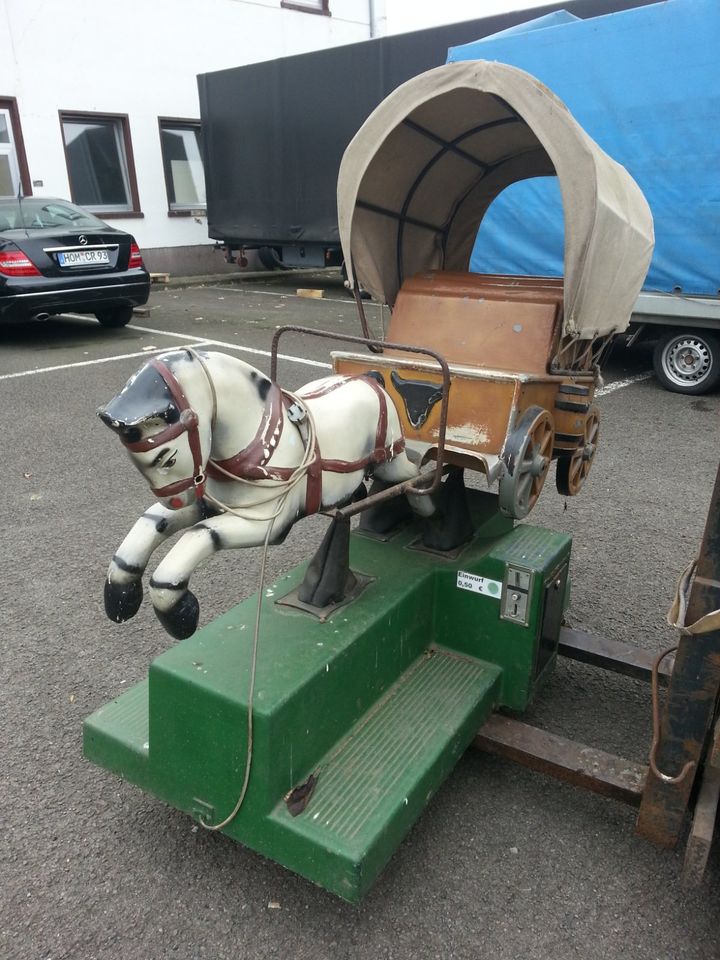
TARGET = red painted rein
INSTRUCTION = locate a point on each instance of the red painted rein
(253, 462)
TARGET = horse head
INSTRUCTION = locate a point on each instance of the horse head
(163, 417)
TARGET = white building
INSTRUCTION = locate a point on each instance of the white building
(99, 101)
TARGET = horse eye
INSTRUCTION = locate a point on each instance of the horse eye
(170, 462)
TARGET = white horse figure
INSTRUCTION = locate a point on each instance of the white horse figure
(237, 460)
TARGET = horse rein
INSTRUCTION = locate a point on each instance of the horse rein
(188, 422)
(252, 463)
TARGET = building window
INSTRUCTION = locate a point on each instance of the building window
(13, 165)
(100, 165)
(307, 6)
(182, 162)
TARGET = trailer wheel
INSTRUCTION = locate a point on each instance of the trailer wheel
(688, 361)
(270, 258)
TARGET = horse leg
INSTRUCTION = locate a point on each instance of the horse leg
(176, 607)
(402, 468)
(123, 585)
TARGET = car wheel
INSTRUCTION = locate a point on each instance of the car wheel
(115, 317)
(688, 361)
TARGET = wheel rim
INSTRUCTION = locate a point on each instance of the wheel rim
(520, 490)
(687, 361)
(578, 466)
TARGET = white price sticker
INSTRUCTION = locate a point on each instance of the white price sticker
(471, 581)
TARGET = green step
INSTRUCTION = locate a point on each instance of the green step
(119, 732)
(376, 782)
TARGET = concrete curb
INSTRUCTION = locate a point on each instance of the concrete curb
(214, 278)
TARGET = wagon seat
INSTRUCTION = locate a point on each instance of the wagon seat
(499, 335)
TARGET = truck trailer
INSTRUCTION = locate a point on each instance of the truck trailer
(639, 76)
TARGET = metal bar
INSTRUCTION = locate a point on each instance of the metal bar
(702, 830)
(690, 701)
(451, 145)
(566, 760)
(714, 755)
(363, 319)
(418, 485)
(612, 655)
(393, 215)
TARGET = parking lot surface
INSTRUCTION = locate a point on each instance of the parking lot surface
(504, 863)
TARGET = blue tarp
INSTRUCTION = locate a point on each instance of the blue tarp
(644, 83)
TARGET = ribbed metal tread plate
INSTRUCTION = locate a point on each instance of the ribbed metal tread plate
(369, 775)
(528, 545)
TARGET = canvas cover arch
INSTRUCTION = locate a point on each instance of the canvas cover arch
(418, 177)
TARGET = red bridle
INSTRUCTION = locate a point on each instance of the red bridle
(187, 423)
(252, 463)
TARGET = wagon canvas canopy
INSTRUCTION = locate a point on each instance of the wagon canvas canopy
(417, 179)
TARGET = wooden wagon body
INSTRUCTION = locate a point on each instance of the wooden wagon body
(497, 334)
(523, 352)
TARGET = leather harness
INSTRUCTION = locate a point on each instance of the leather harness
(253, 462)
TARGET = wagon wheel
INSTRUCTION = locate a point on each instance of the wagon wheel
(572, 471)
(527, 454)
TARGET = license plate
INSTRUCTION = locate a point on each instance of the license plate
(81, 258)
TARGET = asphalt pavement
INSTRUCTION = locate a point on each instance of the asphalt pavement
(504, 863)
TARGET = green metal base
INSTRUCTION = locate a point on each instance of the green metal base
(378, 702)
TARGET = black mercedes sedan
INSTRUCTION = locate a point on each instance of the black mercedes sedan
(56, 258)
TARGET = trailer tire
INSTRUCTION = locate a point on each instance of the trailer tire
(688, 361)
(270, 258)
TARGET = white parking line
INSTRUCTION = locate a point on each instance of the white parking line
(90, 363)
(235, 346)
(620, 384)
(196, 342)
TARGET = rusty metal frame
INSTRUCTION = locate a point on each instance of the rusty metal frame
(582, 766)
(704, 817)
(425, 484)
(682, 741)
(691, 702)
(635, 662)
(575, 763)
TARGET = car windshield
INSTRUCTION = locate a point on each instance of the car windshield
(37, 213)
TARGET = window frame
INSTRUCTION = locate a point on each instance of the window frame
(10, 104)
(323, 10)
(121, 121)
(187, 123)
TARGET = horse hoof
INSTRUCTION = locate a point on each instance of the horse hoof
(181, 620)
(122, 600)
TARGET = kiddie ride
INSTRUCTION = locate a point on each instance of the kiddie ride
(314, 722)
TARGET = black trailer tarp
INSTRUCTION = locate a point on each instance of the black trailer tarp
(274, 132)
